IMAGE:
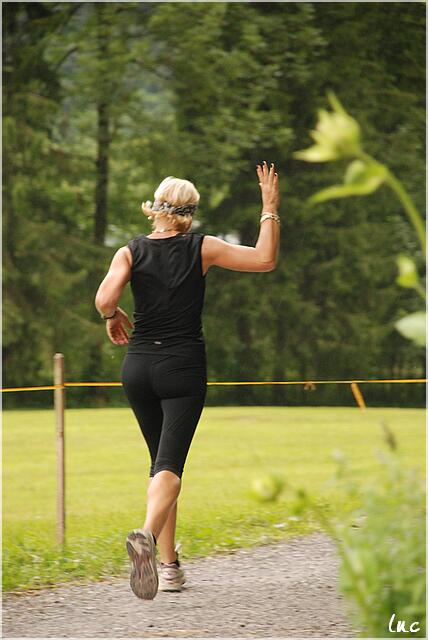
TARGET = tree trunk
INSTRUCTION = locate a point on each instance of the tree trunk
(102, 166)
(103, 138)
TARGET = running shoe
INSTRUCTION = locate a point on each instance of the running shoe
(171, 575)
(141, 548)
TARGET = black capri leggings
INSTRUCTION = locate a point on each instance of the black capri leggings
(166, 388)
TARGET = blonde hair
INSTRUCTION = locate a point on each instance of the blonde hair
(175, 192)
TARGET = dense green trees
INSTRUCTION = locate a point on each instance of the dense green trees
(102, 100)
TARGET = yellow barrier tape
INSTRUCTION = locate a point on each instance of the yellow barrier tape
(45, 388)
(92, 384)
(311, 382)
(282, 382)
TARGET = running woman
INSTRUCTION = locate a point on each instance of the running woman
(164, 372)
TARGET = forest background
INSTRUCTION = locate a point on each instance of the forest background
(103, 100)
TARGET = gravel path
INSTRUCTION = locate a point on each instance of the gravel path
(285, 590)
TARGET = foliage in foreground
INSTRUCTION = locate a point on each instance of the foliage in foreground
(381, 545)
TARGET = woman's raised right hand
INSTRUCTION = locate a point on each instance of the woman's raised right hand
(268, 181)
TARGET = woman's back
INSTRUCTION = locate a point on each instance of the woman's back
(168, 287)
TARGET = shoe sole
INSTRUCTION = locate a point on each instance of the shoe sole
(144, 579)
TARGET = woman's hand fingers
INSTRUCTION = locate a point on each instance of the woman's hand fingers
(265, 169)
(265, 173)
(116, 327)
(117, 333)
(272, 174)
(122, 336)
(112, 334)
(262, 172)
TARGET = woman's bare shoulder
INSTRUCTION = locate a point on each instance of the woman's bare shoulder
(125, 254)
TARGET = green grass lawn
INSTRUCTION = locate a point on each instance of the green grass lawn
(107, 475)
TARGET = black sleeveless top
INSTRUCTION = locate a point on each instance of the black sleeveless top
(168, 287)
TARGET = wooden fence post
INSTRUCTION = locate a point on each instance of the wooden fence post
(59, 403)
(358, 395)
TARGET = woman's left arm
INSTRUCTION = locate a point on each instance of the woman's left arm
(109, 293)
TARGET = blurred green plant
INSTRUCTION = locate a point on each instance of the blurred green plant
(381, 545)
(337, 136)
(267, 488)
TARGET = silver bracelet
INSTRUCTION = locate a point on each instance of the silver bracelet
(273, 216)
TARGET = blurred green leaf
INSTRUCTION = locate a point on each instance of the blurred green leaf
(413, 327)
(367, 176)
(336, 191)
(360, 179)
(408, 275)
(317, 153)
